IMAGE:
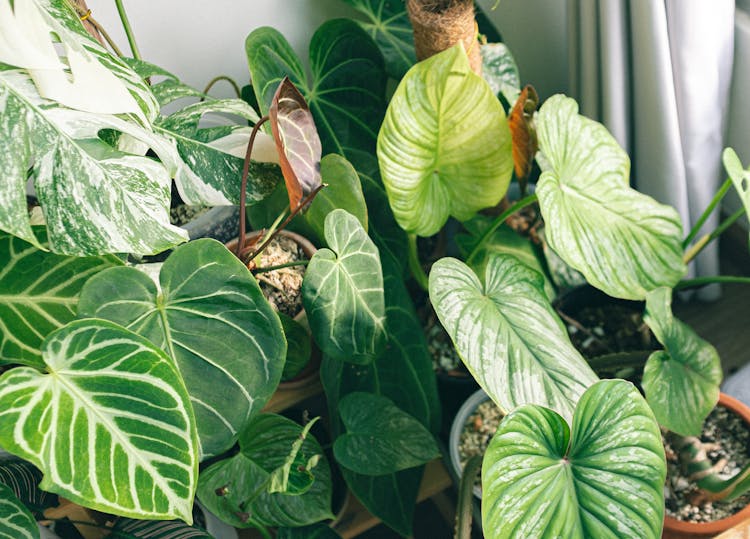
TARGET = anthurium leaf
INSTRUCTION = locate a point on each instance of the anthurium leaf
(346, 93)
(624, 242)
(295, 475)
(38, 294)
(130, 528)
(603, 480)
(212, 319)
(388, 24)
(380, 438)
(682, 381)
(315, 531)
(343, 292)
(740, 177)
(444, 147)
(297, 142)
(508, 335)
(236, 489)
(500, 71)
(106, 391)
(16, 522)
(298, 348)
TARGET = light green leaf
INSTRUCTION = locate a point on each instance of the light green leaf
(110, 424)
(444, 147)
(606, 481)
(16, 522)
(343, 292)
(508, 335)
(740, 177)
(388, 24)
(211, 317)
(682, 381)
(500, 71)
(237, 489)
(295, 476)
(380, 439)
(624, 242)
(38, 294)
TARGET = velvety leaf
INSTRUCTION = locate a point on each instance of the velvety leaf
(740, 177)
(297, 142)
(500, 71)
(444, 147)
(298, 347)
(16, 522)
(38, 294)
(315, 531)
(129, 528)
(343, 292)
(604, 481)
(388, 24)
(523, 133)
(507, 334)
(380, 438)
(106, 391)
(23, 479)
(346, 93)
(236, 489)
(212, 318)
(682, 381)
(624, 242)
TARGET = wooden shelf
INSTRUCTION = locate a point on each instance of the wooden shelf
(286, 398)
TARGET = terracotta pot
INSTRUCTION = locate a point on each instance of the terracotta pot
(679, 529)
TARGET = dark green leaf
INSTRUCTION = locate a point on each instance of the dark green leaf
(129, 528)
(16, 522)
(316, 531)
(298, 347)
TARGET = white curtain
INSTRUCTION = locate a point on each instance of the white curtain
(657, 73)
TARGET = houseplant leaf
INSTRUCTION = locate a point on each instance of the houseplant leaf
(508, 335)
(38, 294)
(212, 319)
(388, 24)
(129, 528)
(16, 522)
(604, 480)
(682, 381)
(23, 478)
(740, 177)
(346, 92)
(237, 488)
(624, 242)
(298, 347)
(343, 292)
(454, 132)
(380, 438)
(500, 71)
(108, 392)
(314, 531)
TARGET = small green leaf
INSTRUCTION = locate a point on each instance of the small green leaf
(16, 522)
(444, 147)
(380, 438)
(682, 381)
(343, 292)
(604, 481)
(295, 476)
(624, 242)
(740, 177)
(500, 71)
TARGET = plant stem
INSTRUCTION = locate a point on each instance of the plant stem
(521, 204)
(702, 281)
(230, 80)
(707, 212)
(282, 266)
(128, 29)
(85, 14)
(708, 238)
(464, 506)
(414, 265)
(243, 186)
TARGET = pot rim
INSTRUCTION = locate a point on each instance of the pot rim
(467, 408)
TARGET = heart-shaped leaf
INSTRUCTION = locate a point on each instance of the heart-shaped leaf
(212, 318)
(740, 177)
(444, 147)
(682, 381)
(38, 294)
(297, 142)
(500, 71)
(523, 133)
(388, 24)
(237, 489)
(507, 334)
(16, 522)
(108, 392)
(624, 242)
(295, 476)
(604, 481)
(343, 292)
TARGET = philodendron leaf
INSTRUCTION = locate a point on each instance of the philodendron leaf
(624, 242)
(507, 334)
(606, 480)
(38, 294)
(236, 489)
(211, 317)
(380, 438)
(388, 24)
(16, 522)
(444, 146)
(682, 381)
(109, 424)
(500, 71)
(343, 292)
(740, 177)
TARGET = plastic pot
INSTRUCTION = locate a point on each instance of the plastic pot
(467, 408)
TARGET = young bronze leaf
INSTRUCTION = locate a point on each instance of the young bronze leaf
(522, 131)
(297, 141)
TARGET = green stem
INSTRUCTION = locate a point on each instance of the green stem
(526, 201)
(415, 266)
(230, 80)
(128, 29)
(464, 507)
(708, 238)
(707, 212)
(703, 281)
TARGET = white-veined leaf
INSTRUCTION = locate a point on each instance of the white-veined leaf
(16, 522)
(109, 423)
